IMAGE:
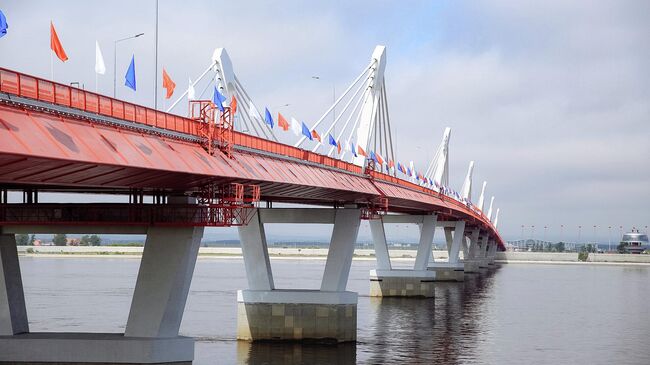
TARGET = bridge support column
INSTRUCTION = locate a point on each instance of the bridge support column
(482, 253)
(491, 252)
(470, 261)
(453, 269)
(151, 334)
(13, 315)
(388, 282)
(328, 314)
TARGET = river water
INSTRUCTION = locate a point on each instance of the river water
(517, 314)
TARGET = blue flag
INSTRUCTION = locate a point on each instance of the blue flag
(3, 24)
(306, 132)
(267, 117)
(218, 99)
(130, 74)
(374, 157)
(354, 149)
(332, 141)
(408, 169)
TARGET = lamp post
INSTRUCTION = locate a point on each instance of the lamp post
(609, 239)
(115, 60)
(579, 233)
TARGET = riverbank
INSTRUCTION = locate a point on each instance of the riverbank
(321, 254)
(216, 252)
(570, 258)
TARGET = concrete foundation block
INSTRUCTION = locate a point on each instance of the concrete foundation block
(471, 266)
(402, 283)
(296, 315)
(449, 272)
(94, 348)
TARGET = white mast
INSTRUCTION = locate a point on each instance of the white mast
(481, 199)
(466, 190)
(371, 105)
(489, 215)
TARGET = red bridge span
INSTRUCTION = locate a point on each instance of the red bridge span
(54, 137)
(200, 172)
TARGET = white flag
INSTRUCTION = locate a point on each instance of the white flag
(190, 91)
(252, 111)
(412, 169)
(100, 67)
(296, 127)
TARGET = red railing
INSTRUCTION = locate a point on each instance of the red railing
(16, 83)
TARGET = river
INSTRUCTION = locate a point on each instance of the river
(517, 314)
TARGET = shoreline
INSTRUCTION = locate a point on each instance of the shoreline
(281, 253)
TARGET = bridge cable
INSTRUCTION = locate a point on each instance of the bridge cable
(347, 122)
(337, 101)
(345, 108)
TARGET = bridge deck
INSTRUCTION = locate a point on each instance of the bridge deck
(60, 138)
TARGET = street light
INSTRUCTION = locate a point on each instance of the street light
(579, 233)
(609, 239)
(115, 60)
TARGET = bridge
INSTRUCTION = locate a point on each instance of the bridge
(222, 166)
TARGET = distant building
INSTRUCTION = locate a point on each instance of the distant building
(635, 242)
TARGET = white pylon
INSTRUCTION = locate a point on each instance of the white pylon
(438, 169)
(224, 76)
(481, 199)
(489, 215)
(466, 190)
(496, 218)
(371, 105)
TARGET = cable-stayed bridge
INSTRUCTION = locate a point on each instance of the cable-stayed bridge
(223, 165)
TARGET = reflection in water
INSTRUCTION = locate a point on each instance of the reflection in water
(281, 353)
(442, 330)
(433, 330)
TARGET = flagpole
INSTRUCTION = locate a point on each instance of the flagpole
(51, 66)
(96, 82)
(155, 91)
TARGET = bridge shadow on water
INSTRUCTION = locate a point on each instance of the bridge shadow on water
(446, 329)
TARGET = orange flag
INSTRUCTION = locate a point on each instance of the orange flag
(233, 105)
(362, 152)
(55, 44)
(315, 135)
(338, 147)
(168, 84)
(282, 123)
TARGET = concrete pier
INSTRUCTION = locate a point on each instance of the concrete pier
(326, 315)
(402, 283)
(151, 334)
(295, 315)
(453, 269)
(446, 271)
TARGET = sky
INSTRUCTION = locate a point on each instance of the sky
(550, 99)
